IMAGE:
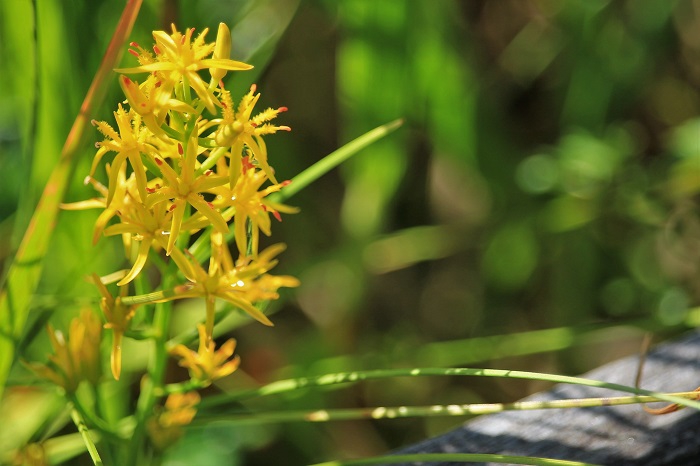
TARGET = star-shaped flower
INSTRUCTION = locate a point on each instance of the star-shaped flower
(179, 58)
(207, 363)
(129, 143)
(185, 188)
(249, 202)
(237, 129)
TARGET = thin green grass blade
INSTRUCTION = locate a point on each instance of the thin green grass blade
(420, 458)
(396, 412)
(335, 158)
(87, 438)
(290, 385)
(25, 271)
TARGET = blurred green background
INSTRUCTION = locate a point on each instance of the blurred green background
(537, 210)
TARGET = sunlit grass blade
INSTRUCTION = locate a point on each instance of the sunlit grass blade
(25, 271)
(335, 158)
(200, 249)
(290, 385)
(443, 458)
(395, 412)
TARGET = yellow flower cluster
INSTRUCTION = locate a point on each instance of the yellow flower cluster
(186, 159)
(165, 428)
(76, 356)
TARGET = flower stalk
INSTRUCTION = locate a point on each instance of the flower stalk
(182, 159)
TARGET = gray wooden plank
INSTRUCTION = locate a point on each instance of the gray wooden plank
(622, 435)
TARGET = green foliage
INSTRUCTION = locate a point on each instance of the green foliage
(542, 189)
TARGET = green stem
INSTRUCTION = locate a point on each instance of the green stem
(184, 387)
(152, 387)
(93, 420)
(211, 160)
(191, 335)
(149, 297)
(85, 434)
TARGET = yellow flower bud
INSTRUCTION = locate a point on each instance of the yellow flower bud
(221, 50)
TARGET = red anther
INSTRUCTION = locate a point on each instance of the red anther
(157, 185)
(221, 84)
(134, 44)
(210, 205)
(262, 206)
(97, 145)
(143, 104)
(286, 183)
(172, 207)
(159, 161)
(223, 104)
(180, 150)
(254, 125)
(282, 109)
(134, 53)
(208, 173)
(150, 190)
(182, 41)
(253, 88)
(246, 163)
(156, 50)
(277, 215)
(158, 83)
(126, 80)
(284, 128)
(191, 31)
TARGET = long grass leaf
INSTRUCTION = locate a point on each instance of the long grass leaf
(335, 158)
(24, 273)
(289, 385)
(395, 412)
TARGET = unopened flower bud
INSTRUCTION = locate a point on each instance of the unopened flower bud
(221, 50)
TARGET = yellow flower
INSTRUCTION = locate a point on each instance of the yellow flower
(242, 284)
(165, 428)
(179, 58)
(118, 317)
(250, 203)
(77, 356)
(129, 143)
(237, 129)
(222, 50)
(152, 100)
(186, 188)
(207, 364)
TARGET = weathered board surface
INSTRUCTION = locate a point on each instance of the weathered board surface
(623, 435)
